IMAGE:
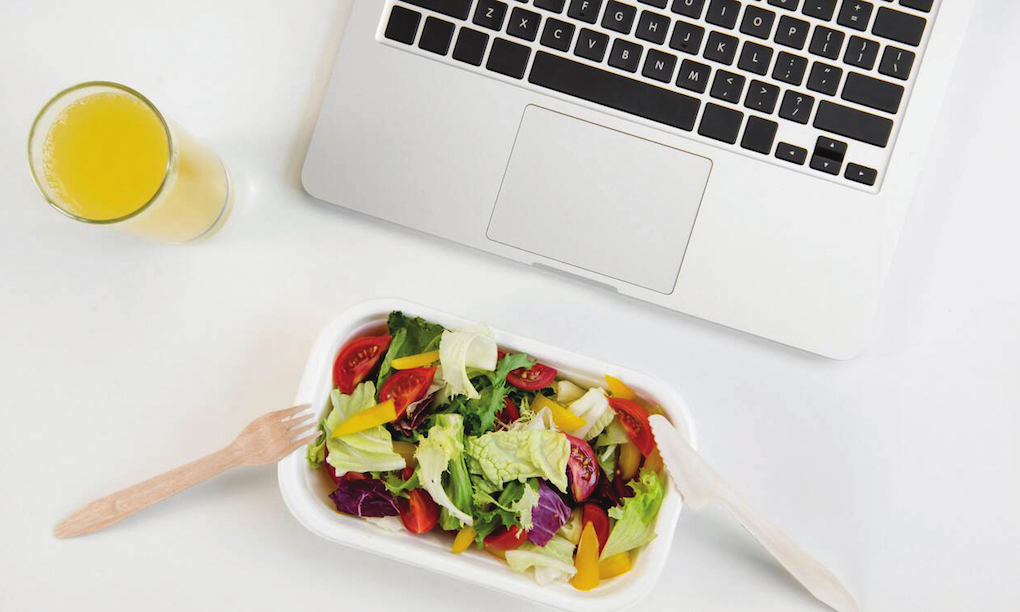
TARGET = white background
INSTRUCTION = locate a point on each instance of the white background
(121, 358)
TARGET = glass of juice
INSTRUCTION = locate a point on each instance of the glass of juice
(102, 153)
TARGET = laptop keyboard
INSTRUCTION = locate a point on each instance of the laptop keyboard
(818, 86)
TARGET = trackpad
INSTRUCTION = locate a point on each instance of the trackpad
(599, 199)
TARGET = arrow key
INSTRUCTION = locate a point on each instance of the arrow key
(825, 164)
(861, 174)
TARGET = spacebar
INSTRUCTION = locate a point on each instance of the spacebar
(614, 91)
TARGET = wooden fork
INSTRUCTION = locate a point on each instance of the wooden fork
(267, 439)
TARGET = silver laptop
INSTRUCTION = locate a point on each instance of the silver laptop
(748, 162)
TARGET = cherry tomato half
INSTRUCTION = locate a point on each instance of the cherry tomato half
(582, 469)
(594, 514)
(510, 413)
(418, 512)
(534, 378)
(356, 360)
(406, 387)
(506, 539)
(635, 420)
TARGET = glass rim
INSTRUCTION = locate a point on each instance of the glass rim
(124, 89)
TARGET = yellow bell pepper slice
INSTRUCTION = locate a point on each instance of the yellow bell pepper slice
(654, 460)
(405, 450)
(367, 419)
(630, 461)
(586, 562)
(415, 361)
(615, 566)
(495, 552)
(463, 540)
(564, 419)
(617, 388)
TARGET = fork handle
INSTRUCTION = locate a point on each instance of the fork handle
(118, 506)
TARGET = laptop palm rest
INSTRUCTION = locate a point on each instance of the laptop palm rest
(599, 199)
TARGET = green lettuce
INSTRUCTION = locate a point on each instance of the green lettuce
(366, 451)
(633, 527)
(480, 414)
(552, 562)
(411, 336)
(593, 407)
(442, 452)
(503, 456)
(471, 347)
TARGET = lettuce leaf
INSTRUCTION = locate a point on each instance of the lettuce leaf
(548, 514)
(480, 414)
(513, 508)
(440, 451)
(411, 336)
(633, 527)
(593, 407)
(471, 347)
(552, 562)
(504, 456)
(366, 451)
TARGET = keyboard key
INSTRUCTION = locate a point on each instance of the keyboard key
(436, 36)
(689, 8)
(762, 97)
(861, 52)
(470, 47)
(721, 123)
(490, 14)
(614, 90)
(659, 66)
(555, 6)
(827, 42)
(820, 9)
(755, 58)
(791, 153)
(584, 10)
(826, 165)
(723, 13)
(899, 26)
(591, 45)
(897, 63)
(855, 14)
(852, 123)
(687, 37)
(524, 24)
(619, 17)
(759, 135)
(918, 5)
(872, 92)
(728, 86)
(824, 78)
(790, 68)
(861, 174)
(558, 34)
(656, 3)
(452, 8)
(792, 32)
(625, 55)
(694, 76)
(721, 48)
(403, 25)
(790, 5)
(757, 22)
(833, 149)
(796, 107)
(653, 27)
(508, 58)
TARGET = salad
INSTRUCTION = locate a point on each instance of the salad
(434, 429)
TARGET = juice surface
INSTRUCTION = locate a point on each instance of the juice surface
(106, 156)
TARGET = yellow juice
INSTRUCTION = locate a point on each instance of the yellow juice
(109, 157)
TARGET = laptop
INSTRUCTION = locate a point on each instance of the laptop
(748, 162)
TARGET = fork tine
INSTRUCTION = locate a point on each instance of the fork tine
(301, 423)
(290, 412)
(299, 443)
(299, 432)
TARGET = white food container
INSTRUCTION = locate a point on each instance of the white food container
(305, 490)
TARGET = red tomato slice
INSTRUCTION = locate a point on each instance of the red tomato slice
(418, 512)
(510, 413)
(356, 360)
(506, 539)
(406, 387)
(594, 514)
(534, 378)
(635, 420)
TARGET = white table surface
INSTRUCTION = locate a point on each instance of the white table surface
(121, 358)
